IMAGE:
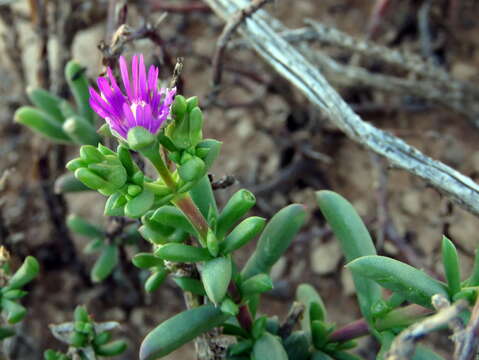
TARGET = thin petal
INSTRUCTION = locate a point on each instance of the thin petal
(153, 79)
(143, 84)
(125, 77)
(129, 118)
(134, 72)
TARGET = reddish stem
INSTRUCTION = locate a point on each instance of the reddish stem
(350, 331)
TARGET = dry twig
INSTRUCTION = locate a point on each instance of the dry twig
(404, 344)
(223, 40)
(261, 30)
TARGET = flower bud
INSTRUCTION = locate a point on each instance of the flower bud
(140, 138)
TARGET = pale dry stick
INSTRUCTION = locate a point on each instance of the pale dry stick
(402, 60)
(467, 340)
(261, 30)
(404, 344)
(231, 26)
(347, 75)
(436, 86)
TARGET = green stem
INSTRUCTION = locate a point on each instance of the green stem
(185, 203)
(155, 158)
(182, 201)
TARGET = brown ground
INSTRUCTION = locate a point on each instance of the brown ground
(259, 143)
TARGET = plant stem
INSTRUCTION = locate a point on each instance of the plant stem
(185, 203)
(155, 158)
(244, 315)
(398, 317)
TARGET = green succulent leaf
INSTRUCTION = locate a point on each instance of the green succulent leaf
(450, 260)
(111, 349)
(78, 83)
(81, 130)
(355, 242)
(67, 183)
(243, 233)
(297, 346)
(191, 285)
(179, 330)
(26, 273)
(42, 123)
(140, 204)
(269, 346)
(182, 253)
(105, 264)
(399, 277)
(275, 239)
(236, 207)
(83, 227)
(216, 276)
(47, 102)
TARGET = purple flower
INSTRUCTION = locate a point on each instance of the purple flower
(143, 105)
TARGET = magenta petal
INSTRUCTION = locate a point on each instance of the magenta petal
(130, 119)
(125, 77)
(142, 80)
(134, 74)
(152, 79)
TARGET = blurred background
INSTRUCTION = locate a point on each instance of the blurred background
(275, 143)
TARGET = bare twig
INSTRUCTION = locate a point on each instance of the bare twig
(404, 344)
(467, 340)
(228, 31)
(261, 31)
(191, 7)
(175, 78)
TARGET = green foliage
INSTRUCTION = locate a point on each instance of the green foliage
(85, 337)
(399, 277)
(180, 329)
(355, 242)
(274, 240)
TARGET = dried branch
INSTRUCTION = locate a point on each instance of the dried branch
(261, 30)
(191, 7)
(404, 344)
(467, 340)
(436, 84)
(223, 40)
